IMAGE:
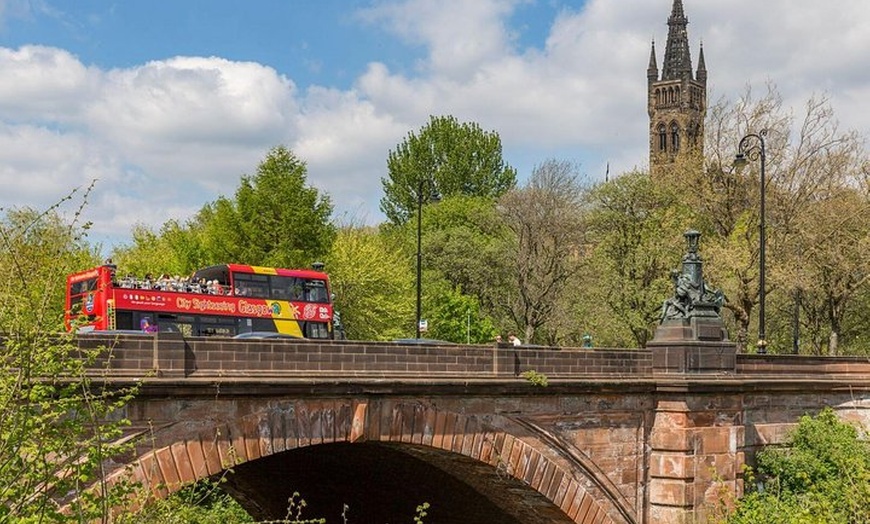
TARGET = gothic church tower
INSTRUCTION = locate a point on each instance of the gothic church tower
(677, 102)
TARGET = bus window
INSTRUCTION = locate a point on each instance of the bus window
(81, 300)
(281, 288)
(124, 320)
(251, 285)
(262, 324)
(316, 330)
(217, 326)
(315, 291)
(83, 286)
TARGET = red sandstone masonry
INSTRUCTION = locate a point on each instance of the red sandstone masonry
(792, 365)
(173, 356)
(699, 427)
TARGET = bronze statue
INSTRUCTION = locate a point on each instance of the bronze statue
(691, 297)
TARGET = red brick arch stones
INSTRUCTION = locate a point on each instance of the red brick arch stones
(195, 451)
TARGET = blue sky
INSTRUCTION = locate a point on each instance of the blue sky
(296, 38)
(168, 103)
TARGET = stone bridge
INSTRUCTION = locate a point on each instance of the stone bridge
(616, 436)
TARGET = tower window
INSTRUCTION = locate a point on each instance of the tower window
(675, 137)
(663, 138)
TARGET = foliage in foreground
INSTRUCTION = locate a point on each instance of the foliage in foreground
(206, 503)
(201, 503)
(57, 427)
(822, 476)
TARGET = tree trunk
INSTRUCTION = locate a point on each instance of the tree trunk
(833, 344)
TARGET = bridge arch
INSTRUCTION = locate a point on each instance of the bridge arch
(529, 473)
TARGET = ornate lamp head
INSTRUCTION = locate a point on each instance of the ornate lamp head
(692, 239)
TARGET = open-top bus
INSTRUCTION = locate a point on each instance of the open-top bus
(225, 300)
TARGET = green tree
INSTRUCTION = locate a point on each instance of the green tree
(820, 476)
(456, 317)
(810, 166)
(830, 267)
(636, 229)
(175, 249)
(54, 434)
(274, 220)
(373, 284)
(465, 243)
(545, 219)
(38, 250)
(447, 157)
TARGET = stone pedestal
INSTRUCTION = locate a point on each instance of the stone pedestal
(693, 345)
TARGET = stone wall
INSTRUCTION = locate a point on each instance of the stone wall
(174, 356)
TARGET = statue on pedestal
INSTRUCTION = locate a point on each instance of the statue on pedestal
(692, 313)
(691, 297)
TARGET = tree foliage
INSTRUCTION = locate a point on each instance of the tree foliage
(820, 476)
(636, 229)
(449, 158)
(373, 284)
(274, 219)
(546, 221)
(173, 250)
(812, 167)
(456, 316)
(466, 245)
(57, 429)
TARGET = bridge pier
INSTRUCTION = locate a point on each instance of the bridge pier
(695, 441)
(695, 458)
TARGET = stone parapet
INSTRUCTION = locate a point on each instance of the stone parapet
(693, 357)
(172, 356)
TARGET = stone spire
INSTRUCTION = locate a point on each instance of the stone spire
(678, 61)
(701, 75)
(652, 72)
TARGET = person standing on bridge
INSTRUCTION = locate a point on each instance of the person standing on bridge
(514, 340)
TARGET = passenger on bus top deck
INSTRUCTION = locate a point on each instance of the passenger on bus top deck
(215, 288)
(112, 268)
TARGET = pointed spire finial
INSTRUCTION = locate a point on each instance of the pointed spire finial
(677, 11)
(652, 72)
(678, 61)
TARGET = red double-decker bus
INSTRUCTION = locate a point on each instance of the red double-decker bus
(224, 300)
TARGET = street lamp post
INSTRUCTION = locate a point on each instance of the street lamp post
(434, 196)
(419, 252)
(752, 147)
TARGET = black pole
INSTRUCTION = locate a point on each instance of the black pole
(757, 151)
(796, 325)
(762, 339)
(419, 252)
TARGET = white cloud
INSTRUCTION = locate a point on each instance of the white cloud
(461, 36)
(43, 84)
(39, 166)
